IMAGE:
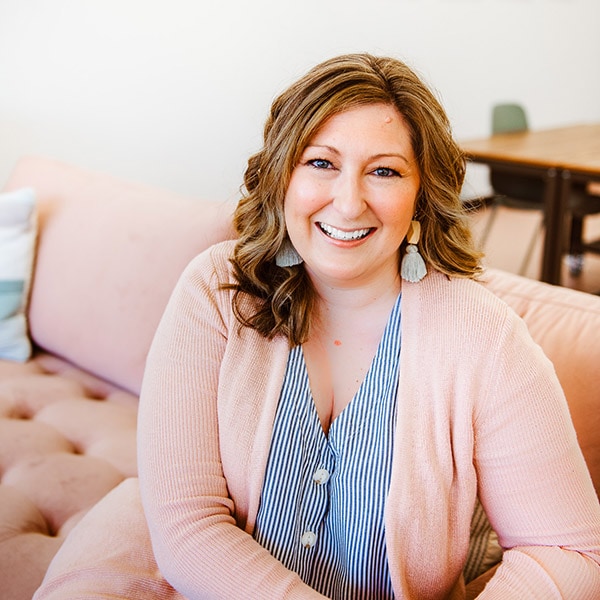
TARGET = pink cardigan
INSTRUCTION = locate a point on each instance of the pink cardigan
(480, 411)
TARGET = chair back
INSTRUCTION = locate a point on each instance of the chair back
(518, 191)
(507, 118)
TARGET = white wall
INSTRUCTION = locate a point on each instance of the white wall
(174, 92)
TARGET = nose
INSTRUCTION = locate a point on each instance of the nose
(348, 196)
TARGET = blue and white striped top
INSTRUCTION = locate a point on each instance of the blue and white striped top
(322, 504)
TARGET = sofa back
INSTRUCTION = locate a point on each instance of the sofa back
(109, 253)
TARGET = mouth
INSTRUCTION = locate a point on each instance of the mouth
(344, 236)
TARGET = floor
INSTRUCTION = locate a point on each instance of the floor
(509, 238)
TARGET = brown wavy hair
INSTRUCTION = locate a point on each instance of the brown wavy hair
(283, 298)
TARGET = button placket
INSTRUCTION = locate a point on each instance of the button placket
(319, 494)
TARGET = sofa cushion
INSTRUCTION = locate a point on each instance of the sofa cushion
(66, 439)
(109, 255)
(17, 248)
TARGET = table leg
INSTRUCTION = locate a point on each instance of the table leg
(558, 189)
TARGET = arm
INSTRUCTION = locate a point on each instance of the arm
(533, 481)
(198, 546)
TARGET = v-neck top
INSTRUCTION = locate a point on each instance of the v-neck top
(322, 505)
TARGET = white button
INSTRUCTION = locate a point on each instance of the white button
(308, 539)
(321, 476)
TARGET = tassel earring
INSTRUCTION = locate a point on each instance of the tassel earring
(413, 267)
(287, 256)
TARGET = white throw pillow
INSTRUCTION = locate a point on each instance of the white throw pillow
(18, 227)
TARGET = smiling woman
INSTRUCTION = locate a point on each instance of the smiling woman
(314, 425)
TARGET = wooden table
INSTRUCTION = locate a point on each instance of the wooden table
(558, 156)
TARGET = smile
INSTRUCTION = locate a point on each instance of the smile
(344, 236)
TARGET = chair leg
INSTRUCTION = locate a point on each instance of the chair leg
(575, 256)
(530, 248)
(488, 225)
(576, 240)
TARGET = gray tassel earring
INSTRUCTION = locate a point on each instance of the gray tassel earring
(413, 267)
(287, 255)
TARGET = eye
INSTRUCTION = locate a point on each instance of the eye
(320, 163)
(385, 172)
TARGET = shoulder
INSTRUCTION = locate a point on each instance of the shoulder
(202, 281)
(213, 259)
(459, 321)
(211, 268)
(457, 299)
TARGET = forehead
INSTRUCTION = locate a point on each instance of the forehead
(370, 123)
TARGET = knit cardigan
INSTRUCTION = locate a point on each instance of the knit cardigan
(480, 413)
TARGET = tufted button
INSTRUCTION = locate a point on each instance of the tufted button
(321, 476)
(308, 539)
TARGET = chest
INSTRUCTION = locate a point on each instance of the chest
(340, 354)
(336, 370)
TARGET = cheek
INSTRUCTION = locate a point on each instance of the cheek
(401, 228)
(304, 194)
(398, 223)
(398, 210)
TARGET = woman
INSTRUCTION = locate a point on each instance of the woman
(327, 397)
(309, 421)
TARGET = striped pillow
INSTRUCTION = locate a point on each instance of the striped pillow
(484, 549)
(18, 226)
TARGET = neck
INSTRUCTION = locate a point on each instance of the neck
(343, 302)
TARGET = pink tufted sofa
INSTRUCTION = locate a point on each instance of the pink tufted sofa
(108, 254)
(107, 257)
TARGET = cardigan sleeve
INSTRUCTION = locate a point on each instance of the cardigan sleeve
(198, 546)
(533, 481)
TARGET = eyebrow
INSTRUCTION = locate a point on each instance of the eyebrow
(374, 157)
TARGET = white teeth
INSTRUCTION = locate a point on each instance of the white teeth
(338, 234)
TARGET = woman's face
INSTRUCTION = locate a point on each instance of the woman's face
(352, 196)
